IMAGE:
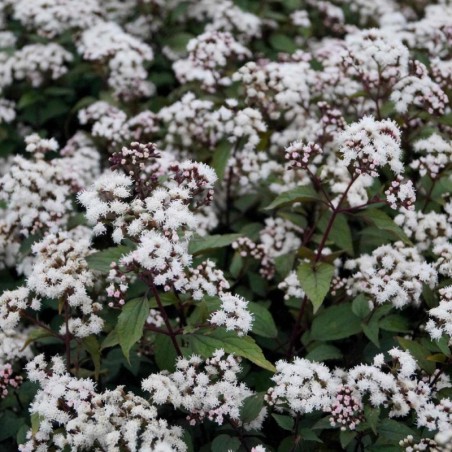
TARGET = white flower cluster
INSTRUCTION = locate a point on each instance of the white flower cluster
(192, 121)
(208, 56)
(441, 317)
(73, 415)
(60, 272)
(291, 287)
(392, 273)
(206, 389)
(370, 144)
(375, 56)
(304, 386)
(37, 196)
(233, 314)
(421, 92)
(401, 194)
(425, 229)
(206, 279)
(36, 62)
(437, 155)
(12, 344)
(126, 57)
(112, 124)
(50, 18)
(278, 87)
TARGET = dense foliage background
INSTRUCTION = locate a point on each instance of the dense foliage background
(225, 225)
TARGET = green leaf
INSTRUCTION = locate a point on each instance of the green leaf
(111, 340)
(324, 352)
(360, 306)
(394, 431)
(385, 223)
(284, 264)
(395, 323)
(205, 342)
(263, 324)
(308, 434)
(285, 422)
(419, 352)
(340, 233)
(346, 437)
(372, 416)
(131, 322)
(178, 42)
(251, 408)
(224, 443)
(372, 330)
(165, 353)
(282, 43)
(315, 281)
(302, 193)
(220, 158)
(35, 335)
(101, 261)
(335, 322)
(199, 244)
(93, 348)
(9, 425)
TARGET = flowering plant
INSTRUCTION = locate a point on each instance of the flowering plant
(225, 225)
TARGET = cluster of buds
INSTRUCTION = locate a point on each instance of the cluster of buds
(300, 155)
(331, 118)
(401, 194)
(246, 247)
(409, 444)
(347, 410)
(197, 177)
(6, 379)
(133, 161)
(117, 289)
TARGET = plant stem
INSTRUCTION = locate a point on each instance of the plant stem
(171, 333)
(296, 330)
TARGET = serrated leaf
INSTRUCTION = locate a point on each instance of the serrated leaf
(205, 342)
(315, 281)
(101, 261)
(199, 244)
(263, 323)
(251, 408)
(131, 322)
(335, 322)
(302, 193)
